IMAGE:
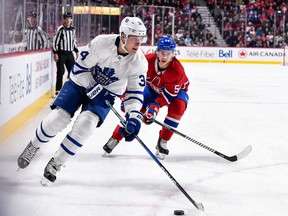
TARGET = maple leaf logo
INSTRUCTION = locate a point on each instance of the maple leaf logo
(105, 76)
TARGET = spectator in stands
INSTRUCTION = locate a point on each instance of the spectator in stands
(258, 43)
(264, 40)
(188, 40)
(194, 38)
(278, 41)
(255, 18)
(250, 28)
(270, 11)
(233, 40)
(228, 30)
(200, 42)
(179, 34)
(217, 15)
(266, 29)
(259, 31)
(202, 26)
(270, 39)
(197, 16)
(263, 16)
(201, 38)
(241, 43)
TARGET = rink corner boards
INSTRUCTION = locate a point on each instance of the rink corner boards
(9, 128)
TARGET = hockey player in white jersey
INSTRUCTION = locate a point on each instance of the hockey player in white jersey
(105, 68)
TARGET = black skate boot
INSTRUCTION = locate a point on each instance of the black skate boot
(50, 171)
(161, 148)
(27, 155)
(110, 145)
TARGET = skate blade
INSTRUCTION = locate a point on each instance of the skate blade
(105, 154)
(45, 182)
(160, 155)
(18, 169)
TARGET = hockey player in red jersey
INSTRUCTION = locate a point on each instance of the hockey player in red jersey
(167, 85)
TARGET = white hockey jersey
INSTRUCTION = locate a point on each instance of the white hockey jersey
(100, 63)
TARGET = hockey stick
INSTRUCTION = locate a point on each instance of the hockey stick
(199, 206)
(233, 158)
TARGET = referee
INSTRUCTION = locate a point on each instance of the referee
(64, 43)
(34, 37)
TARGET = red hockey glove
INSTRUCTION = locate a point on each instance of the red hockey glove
(151, 112)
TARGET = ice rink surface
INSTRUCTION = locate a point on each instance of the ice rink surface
(231, 106)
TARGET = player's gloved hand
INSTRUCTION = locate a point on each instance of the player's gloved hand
(99, 95)
(152, 110)
(133, 125)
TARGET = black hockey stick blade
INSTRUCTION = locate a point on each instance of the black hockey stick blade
(233, 158)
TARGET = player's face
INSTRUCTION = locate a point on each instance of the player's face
(133, 43)
(165, 57)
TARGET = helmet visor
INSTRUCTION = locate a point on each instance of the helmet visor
(137, 39)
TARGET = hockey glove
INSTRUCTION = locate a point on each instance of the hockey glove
(151, 112)
(122, 106)
(99, 95)
(133, 125)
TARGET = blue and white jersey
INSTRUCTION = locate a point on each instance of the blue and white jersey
(100, 63)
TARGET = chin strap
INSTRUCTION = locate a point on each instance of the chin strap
(124, 44)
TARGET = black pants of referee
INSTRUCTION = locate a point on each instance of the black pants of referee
(64, 58)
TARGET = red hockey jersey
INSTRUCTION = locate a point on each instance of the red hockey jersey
(166, 83)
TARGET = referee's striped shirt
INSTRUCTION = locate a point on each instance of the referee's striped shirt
(35, 38)
(65, 39)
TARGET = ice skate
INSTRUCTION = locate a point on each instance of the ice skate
(50, 172)
(110, 145)
(161, 149)
(27, 155)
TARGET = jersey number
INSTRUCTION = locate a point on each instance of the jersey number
(142, 80)
(84, 54)
(177, 88)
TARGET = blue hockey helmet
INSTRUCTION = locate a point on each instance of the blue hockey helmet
(166, 43)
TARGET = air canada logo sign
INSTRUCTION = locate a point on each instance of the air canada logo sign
(260, 53)
(242, 53)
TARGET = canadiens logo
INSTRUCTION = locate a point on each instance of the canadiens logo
(242, 53)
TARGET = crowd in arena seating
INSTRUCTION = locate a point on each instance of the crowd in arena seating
(254, 23)
(189, 28)
(242, 23)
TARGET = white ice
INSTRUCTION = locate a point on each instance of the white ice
(231, 107)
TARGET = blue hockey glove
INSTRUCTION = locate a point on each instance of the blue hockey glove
(99, 95)
(152, 110)
(133, 126)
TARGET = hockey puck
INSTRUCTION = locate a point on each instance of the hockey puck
(178, 212)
